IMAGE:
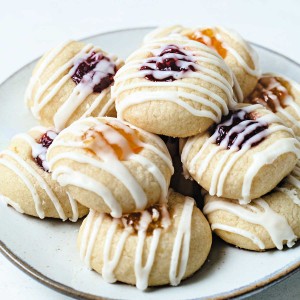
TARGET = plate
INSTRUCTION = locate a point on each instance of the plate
(46, 249)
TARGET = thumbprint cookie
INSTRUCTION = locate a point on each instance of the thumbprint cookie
(70, 82)
(267, 222)
(243, 157)
(111, 166)
(161, 245)
(25, 181)
(173, 86)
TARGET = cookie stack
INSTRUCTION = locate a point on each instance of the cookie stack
(100, 153)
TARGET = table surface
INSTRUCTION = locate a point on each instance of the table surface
(31, 27)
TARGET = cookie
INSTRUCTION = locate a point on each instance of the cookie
(281, 95)
(161, 245)
(268, 222)
(70, 82)
(243, 157)
(111, 166)
(174, 87)
(25, 181)
(236, 52)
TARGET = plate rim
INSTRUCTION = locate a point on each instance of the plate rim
(241, 292)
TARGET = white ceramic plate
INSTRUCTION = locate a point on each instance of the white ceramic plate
(46, 249)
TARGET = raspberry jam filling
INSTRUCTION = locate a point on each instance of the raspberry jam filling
(210, 38)
(168, 64)
(96, 71)
(270, 93)
(44, 143)
(238, 129)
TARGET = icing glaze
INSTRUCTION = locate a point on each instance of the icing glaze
(259, 213)
(12, 203)
(22, 169)
(107, 144)
(238, 140)
(151, 222)
(184, 89)
(90, 69)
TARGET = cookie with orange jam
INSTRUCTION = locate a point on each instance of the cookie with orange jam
(111, 166)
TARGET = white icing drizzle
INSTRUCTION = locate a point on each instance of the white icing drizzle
(132, 70)
(294, 180)
(39, 179)
(43, 66)
(74, 207)
(275, 224)
(29, 185)
(268, 156)
(80, 92)
(198, 166)
(238, 93)
(180, 251)
(37, 149)
(12, 203)
(109, 161)
(253, 55)
(245, 233)
(90, 235)
(109, 265)
(142, 272)
(181, 248)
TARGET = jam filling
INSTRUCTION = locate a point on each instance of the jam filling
(45, 141)
(209, 37)
(97, 71)
(111, 143)
(270, 93)
(134, 219)
(240, 128)
(170, 63)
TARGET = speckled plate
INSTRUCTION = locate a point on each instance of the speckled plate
(46, 249)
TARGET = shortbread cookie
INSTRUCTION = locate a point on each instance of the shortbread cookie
(268, 222)
(237, 53)
(25, 182)
(281, 95)
(173, 86)
(243, 157)
(161, 245)
(72, 81)
(111, 166)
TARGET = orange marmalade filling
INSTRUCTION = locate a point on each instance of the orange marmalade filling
(110, 142)
(270, 93)
(208, 37)
(133, 219)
